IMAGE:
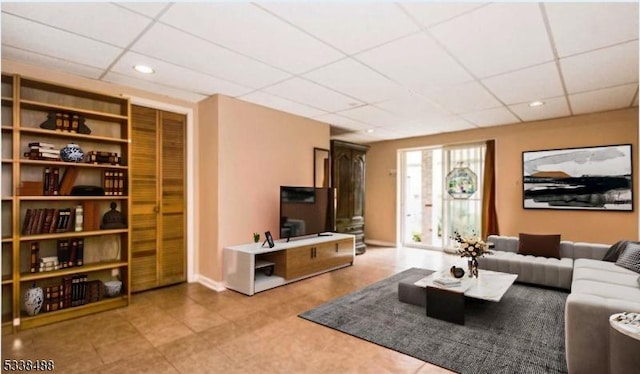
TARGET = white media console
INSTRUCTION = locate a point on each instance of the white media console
(250, 268)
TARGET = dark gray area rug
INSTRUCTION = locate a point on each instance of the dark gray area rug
(523, 333)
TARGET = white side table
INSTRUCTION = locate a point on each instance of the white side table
(624, 342)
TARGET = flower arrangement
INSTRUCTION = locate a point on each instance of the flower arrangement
(471, 246)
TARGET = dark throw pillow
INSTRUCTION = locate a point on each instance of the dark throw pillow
(615, 250)
(630, 258)
(539, 245)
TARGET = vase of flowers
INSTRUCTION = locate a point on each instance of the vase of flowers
(471, 247)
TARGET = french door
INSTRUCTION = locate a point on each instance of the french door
(440, 193)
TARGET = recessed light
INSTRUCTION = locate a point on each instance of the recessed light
(534, 104)
(144, 69)
(369, 131)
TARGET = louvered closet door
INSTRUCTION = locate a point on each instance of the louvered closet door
(173, 255)
(158, 227)
(144, 225)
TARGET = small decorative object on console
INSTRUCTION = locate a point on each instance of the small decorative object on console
(101, 157)
(66, 122)
(71, 153)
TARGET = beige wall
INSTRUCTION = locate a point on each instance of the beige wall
(615, 127)
(259, 150)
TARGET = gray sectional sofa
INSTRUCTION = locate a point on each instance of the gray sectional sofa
(598, 290)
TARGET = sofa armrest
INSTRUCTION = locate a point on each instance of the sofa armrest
(587, 331)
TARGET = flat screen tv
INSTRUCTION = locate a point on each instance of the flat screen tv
(306, 211)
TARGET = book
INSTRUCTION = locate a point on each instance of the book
(73, 253)
(46, 179)
(80, 252)
(90, 212)
(447, 281)
(54, 221)
(35, 255)
(42, 145)
(55, 181)
(25, 223)
(47, 220)
(67, 283)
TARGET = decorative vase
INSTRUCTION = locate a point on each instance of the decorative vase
(71, 153)
(33, 300)
(473, 267)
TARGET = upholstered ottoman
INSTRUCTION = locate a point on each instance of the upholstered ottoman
(412, 294)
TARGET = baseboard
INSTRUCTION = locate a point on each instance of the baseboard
(210, 283)
(379, 243)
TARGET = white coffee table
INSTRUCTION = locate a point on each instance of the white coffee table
(447, 303)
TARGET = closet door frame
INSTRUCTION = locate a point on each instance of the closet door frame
(191, 222)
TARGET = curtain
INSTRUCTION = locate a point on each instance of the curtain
(489, 215)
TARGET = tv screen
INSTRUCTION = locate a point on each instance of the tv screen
(306, 211)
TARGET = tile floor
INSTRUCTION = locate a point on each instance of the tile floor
(188, 328)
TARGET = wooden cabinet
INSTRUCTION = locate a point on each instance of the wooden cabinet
(291, 261)
(31, 113)
(348, 164)
(158, 199)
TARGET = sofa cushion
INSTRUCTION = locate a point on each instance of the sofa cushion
(630, 258)
(614, 251)
(539, 245)
(544, 271)
(606, 273)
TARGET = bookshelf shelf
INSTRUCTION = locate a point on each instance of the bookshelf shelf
(71, 136)
(70, 164)
(88, 268)
(70, 198)
(72, 234)
(73, 312)
(30, 102)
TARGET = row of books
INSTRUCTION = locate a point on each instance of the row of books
(69, 252)
(42, 151)
(114, 182)
(101, 157)
(45, 220)
(74, 291)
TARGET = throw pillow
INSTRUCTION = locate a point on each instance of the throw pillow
(539, 245)
(615, 250)
(630, 258)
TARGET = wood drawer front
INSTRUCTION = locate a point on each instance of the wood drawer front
(299, 262)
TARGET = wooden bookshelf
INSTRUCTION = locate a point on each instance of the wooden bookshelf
(26, 104)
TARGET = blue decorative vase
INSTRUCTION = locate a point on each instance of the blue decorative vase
(33, 300)
(71, 153)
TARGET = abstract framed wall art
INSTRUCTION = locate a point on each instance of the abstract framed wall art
(590, 178)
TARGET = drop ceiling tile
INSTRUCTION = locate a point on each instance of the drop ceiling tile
(411, 105)
(602, 100)
(48, 62)
(341, 121)
(602, 68)
(148, 9)
(155, 88)
(390, 133)
(464, 98)
(357, 80)
(581, 27)
(429, 14)
(279, 103)
(359, 138)
(491, 117)
(302, 91)
(177, 77)
(373, 116)
(526, 85)
(349, 26)
(177, 47)
(114, 25)
(497, 38)
(31, 36)
(247, 29)
(416, 61)
(553, 108)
